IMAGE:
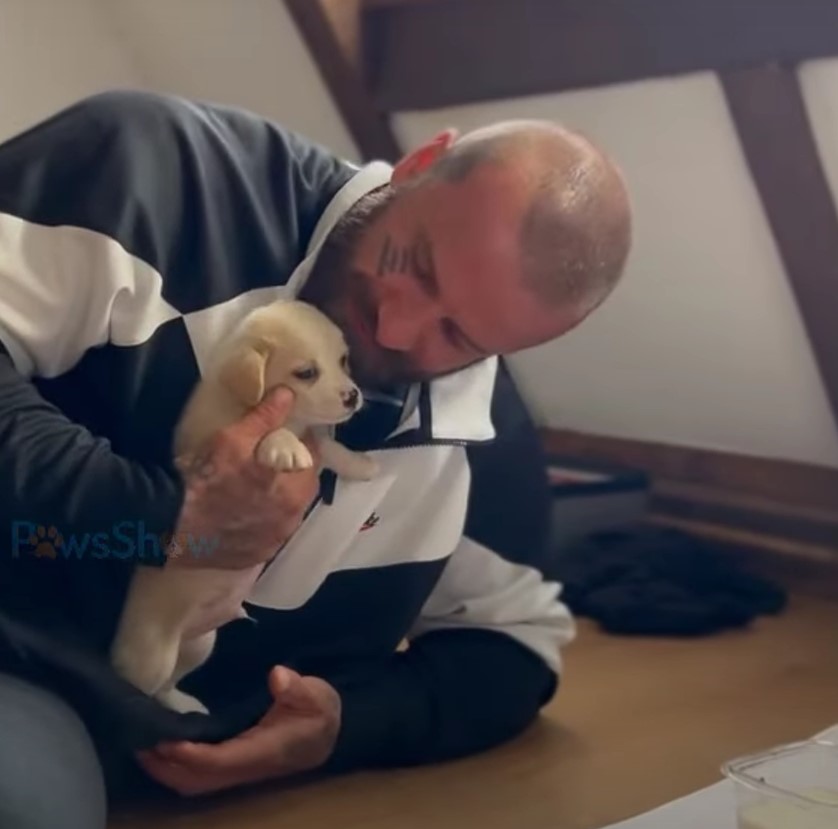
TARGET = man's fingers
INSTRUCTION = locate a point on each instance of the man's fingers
(229, 757)
(280, 679)
(182, 779)
(271, 413)
(288, 689)
(200, 757)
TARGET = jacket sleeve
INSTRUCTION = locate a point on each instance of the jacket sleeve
(485, 654)
(61, 278)
(56, 474)
(108, 209)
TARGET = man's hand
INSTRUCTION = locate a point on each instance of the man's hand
(237, 511)
(297, 735)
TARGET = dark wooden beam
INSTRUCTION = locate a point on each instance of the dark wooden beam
(389, 4)
(333, 32)
(770, 115)
(438, 53)
(787, 483)
(780, 513)
(816, 528)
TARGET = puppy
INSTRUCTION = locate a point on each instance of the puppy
(168, 624)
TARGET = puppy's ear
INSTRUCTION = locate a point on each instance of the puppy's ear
(243, 373)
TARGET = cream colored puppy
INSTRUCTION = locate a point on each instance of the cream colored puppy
(169, 621)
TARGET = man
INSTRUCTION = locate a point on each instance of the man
(134, 230)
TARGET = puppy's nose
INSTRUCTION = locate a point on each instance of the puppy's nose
(350, 398)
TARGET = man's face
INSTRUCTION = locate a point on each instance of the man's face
(431, 284)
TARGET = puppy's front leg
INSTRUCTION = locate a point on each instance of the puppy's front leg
(346, 463)
(284, 451)
(193, 653)
(146, 657)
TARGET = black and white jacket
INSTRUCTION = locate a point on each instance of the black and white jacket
(134, 230)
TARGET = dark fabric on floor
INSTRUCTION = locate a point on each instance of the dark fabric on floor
(650, 581)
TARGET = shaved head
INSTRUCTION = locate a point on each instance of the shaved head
(575, 234)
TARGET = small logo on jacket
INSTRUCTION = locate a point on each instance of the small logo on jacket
(370, 522)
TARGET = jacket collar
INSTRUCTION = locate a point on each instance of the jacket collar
(452, 409)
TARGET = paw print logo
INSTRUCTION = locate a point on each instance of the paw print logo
(46, 542)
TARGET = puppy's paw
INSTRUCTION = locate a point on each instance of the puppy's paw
(284, 451)
(181, 702)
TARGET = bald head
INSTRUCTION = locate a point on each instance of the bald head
(575, 233)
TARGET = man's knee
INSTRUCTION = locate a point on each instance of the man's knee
(49, 771)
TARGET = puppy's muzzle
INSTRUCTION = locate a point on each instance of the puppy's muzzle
(350, 399)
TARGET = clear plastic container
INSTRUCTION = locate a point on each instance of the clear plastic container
(794, 786)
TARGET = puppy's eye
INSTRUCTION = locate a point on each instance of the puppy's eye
(309, 373)
(344, 362)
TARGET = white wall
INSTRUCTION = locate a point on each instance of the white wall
(703, 344)
(53, 52)
(240, 52)
(819, 80)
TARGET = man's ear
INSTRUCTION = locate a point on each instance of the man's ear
(243, 373)
(422, 158)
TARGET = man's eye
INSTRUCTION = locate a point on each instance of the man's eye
(308, 373)
(458, 339)
(453, 334)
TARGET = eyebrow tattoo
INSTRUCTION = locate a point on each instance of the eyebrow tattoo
(423, 263)
(394, 258)
(458, 337)
(416, 257)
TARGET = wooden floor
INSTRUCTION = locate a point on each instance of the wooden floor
(638, 722)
